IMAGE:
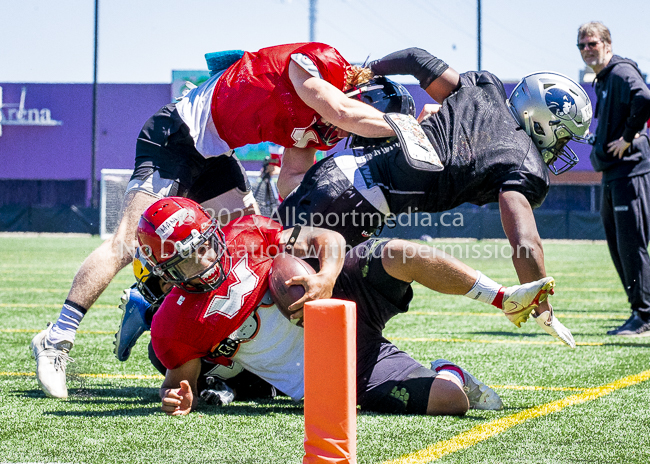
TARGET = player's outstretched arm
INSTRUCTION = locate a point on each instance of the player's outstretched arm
(528, 256)
(177, 390)
(336, 108)
(326, 245)
(435, 76)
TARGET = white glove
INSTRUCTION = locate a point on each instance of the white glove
(555, 328)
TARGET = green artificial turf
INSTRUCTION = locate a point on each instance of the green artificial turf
(117, 419)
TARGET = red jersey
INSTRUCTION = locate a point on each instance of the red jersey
(190, 325)
(254, 101)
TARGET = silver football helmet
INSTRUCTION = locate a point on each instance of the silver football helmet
(553, 110)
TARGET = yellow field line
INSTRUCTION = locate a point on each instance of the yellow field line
(535, 388)
(96, 332)
(123, 376)
(418, 313)
(559, 315)
(597, 290)
(592, 316)
(404, 339)
(475, 340)
(48, 305)
(146, 377)
(483, 432)
(93, 376)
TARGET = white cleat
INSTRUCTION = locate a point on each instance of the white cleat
(480, 396)
(520, 300)
(51, 360)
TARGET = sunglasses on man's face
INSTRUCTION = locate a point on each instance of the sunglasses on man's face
(582, 46)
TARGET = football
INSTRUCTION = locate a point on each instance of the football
(284, 267)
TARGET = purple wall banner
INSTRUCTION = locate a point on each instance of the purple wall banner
(61, 150)
(46, 129)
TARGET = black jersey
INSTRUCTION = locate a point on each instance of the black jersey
(482, 147)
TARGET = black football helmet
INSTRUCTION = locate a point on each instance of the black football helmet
(385, 95)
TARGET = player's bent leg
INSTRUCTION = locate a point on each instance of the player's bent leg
(99, 269)
(447, 397)
(480, 396)
(51, 346)
(429, 266)
(438, 271)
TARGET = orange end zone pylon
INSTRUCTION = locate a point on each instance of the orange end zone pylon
(330, 382)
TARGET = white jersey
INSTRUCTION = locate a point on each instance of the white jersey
(194, 109)
(276, 353)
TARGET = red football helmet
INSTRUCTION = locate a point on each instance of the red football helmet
(185, 245)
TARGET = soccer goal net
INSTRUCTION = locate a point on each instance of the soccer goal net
(113, 184)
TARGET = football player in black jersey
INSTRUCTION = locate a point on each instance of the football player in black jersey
(492, 149)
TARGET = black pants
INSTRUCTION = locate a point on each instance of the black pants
(625, 211)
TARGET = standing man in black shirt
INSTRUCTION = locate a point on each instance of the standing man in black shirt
(487, 148)
(622, 153)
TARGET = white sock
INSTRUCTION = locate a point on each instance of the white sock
(65, 328)
(454, 370)
(484, 289)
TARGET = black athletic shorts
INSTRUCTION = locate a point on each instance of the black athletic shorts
(165, 145)
(388, 379)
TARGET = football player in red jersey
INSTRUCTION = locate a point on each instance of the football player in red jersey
(288, 94)
(220, 303)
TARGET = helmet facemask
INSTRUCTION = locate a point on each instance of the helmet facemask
(329, 133)
(561, 152)
(200, 263)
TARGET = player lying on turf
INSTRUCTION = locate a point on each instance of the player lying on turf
(476, 147)
(220, 308)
